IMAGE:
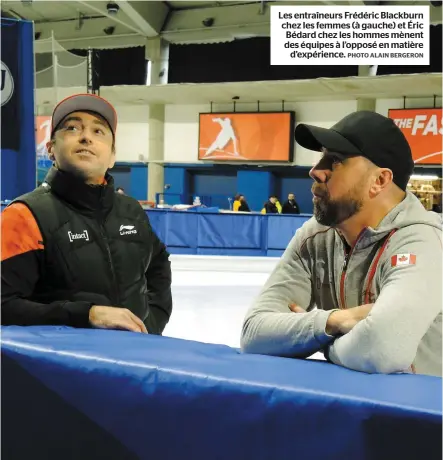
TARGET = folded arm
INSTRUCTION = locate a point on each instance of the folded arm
(410, 299)
(270, 327)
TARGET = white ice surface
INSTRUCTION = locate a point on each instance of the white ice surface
(211, 295)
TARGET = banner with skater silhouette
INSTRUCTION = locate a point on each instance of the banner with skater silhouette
(258, 136)
(42, 137)
(423, 129)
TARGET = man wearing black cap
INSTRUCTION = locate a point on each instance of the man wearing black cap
(74, 252)
(361, 280)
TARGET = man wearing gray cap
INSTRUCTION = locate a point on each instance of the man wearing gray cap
(361, 280)
(74, 252)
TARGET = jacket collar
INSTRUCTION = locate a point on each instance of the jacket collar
(408, 212)
(84, 197)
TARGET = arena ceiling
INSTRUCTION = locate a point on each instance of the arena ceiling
(78, 24)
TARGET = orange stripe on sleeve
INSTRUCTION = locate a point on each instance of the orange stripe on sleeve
(20, 231)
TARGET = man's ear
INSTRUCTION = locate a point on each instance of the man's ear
(382, 179)
(385, 177)
(50, 149)
(112, 160)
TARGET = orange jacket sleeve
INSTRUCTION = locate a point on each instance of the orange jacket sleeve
(22, 256)
(20, 232)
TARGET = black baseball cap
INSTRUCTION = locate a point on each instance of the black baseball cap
(366, 134)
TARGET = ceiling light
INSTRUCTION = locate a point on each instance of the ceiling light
(112, 8)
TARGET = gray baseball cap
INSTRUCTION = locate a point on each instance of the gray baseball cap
(83, 103)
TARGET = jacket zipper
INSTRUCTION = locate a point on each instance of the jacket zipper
(344, 269)
(101, 219)
(111, 265)
(373, 268)
(342, 280)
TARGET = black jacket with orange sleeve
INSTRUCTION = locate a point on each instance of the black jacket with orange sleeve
(67, 246)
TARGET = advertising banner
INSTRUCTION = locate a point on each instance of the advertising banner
(424, 131)
(42, 136)
(246, 137)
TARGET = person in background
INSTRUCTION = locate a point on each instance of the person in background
(291, 206)
(120, 190)
(240, 204)
(236, 203)
(263, 211)
(244, 207)
(74, 252)
(278, 204)
(270, 206)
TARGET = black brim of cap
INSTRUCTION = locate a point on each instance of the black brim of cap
(316, 138)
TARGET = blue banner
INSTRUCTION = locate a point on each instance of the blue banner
(18, 155)
(10, 86)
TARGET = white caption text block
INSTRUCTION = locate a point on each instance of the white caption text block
(350, 35)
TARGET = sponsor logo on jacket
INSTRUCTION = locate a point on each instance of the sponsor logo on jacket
(78, 236)
(127, 229)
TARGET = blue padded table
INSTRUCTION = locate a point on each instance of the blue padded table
(215, 233)
(95, 394)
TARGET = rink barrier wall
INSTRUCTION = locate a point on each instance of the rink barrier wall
(225, 234)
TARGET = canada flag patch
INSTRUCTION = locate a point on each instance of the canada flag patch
(403, 259)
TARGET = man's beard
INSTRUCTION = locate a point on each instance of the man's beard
(333, 212)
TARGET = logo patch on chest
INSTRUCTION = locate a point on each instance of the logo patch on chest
(78, 236)
(127, 230)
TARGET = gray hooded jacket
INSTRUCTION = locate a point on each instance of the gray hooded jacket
(397, 266)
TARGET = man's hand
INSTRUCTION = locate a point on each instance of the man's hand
(296, 309)
(342, 321)
(115, 318)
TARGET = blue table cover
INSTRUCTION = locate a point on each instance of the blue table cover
(92, 394)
